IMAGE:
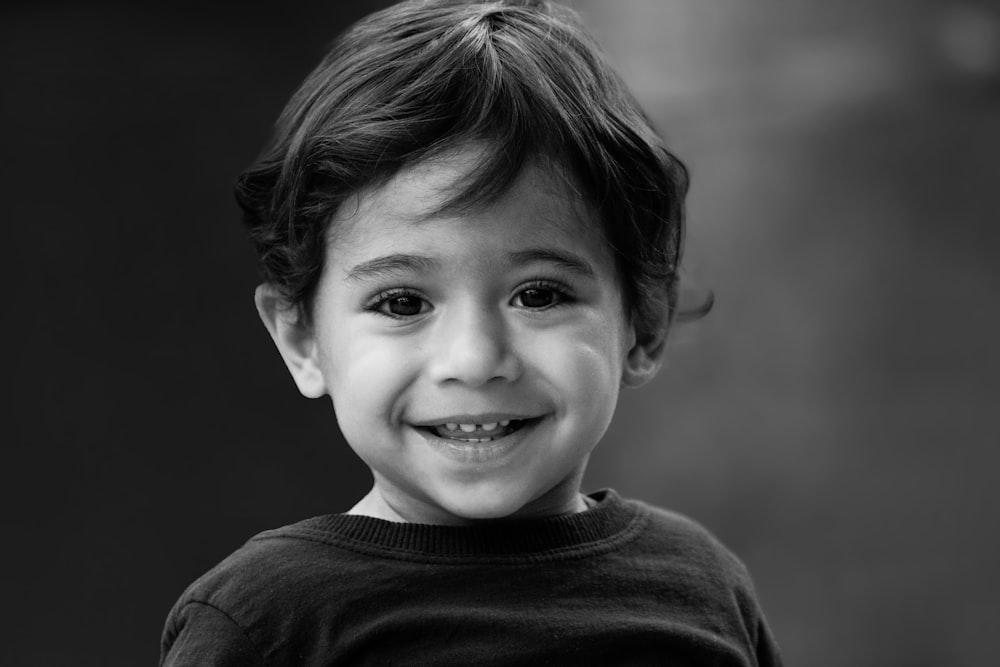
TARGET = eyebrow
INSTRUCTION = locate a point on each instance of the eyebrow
(564, 260)
(391, 265)
(396, 264)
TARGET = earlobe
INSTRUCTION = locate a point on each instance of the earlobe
(643, 360)
(294, 339)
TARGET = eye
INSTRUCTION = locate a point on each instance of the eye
(404, 305)
(540, 296)
(399, 304)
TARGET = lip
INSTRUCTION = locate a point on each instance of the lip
(482, 418)
(479, 453)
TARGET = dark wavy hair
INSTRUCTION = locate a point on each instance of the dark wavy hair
(423, 77)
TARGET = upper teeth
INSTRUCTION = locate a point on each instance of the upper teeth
(469, 428)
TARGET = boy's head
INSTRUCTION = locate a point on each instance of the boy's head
(424, 77)
(465, 220)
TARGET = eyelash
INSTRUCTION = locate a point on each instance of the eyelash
(561, 293)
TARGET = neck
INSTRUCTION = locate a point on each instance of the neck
(377, 506)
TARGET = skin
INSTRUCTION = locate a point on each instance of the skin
(465, 332)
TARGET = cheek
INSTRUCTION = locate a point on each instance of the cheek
(586, 363)
(365, 376)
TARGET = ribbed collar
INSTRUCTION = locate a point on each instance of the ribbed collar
(603, 525)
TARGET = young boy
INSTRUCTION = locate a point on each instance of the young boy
(470, 236)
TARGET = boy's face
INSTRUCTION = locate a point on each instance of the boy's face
(431, 334)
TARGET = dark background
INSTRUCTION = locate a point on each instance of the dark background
(835, 420)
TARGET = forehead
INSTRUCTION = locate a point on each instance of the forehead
(540, 206)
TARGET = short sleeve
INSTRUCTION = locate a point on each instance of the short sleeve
(199, 634)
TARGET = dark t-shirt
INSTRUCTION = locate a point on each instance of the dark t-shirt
(620, 584)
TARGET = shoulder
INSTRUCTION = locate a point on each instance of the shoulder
(198, 633)
(275, 577)
(683, 545)
(688, 562)
(270, 565)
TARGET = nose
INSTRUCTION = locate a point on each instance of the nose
(473, 346)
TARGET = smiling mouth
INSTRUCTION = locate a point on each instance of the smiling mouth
(474, 433)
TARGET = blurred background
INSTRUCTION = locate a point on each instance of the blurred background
(834, 420)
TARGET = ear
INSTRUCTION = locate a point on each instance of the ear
(294, 339)
(644, 359)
